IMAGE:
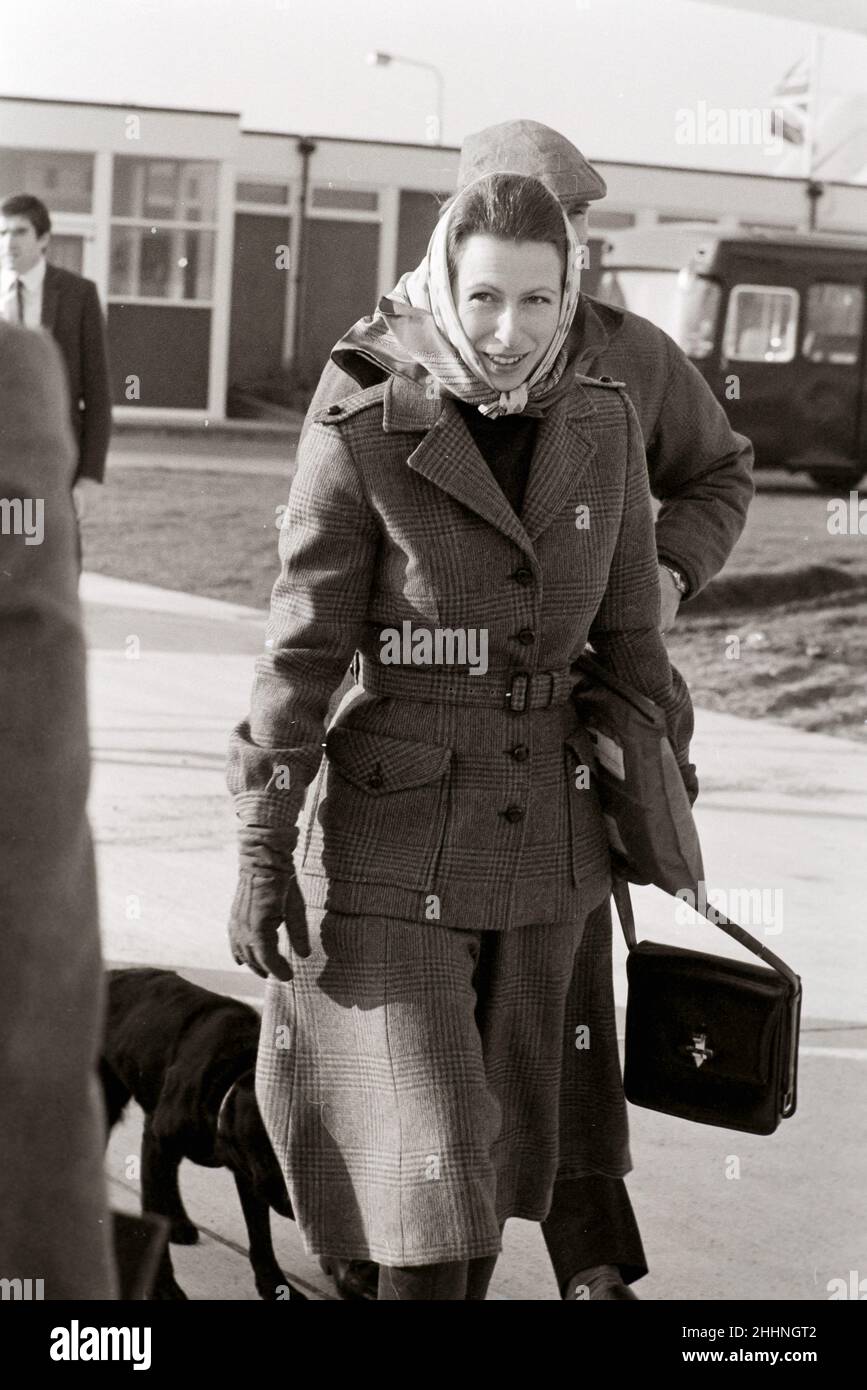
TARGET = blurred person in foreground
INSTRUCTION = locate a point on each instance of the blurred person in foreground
(418, 1071)
(54, 1223)
(37, 294)
(701, 471)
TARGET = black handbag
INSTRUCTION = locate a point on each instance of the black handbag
(710, 1039)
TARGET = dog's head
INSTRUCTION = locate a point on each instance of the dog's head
(242, 1144)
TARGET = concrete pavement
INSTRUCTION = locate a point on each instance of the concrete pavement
(722, 1215)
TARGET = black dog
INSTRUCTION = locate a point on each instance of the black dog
(187, 1057)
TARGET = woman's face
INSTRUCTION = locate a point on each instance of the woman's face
(507, 295)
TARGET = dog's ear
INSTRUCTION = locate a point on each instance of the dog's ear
(244, 1146)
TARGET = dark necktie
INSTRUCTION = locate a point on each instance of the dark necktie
(19, 298)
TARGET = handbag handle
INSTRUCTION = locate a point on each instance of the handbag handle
(623, 902)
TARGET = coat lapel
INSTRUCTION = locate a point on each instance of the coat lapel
(49, 298)
(447, 456)
(563, 451)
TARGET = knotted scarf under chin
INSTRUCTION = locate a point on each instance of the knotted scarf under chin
(416, 333)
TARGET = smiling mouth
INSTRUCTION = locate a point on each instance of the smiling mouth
(503, 362)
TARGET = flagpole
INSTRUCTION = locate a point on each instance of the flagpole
(811, 144)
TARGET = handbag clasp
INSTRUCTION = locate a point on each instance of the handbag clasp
(699, 1051)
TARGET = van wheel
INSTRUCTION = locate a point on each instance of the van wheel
(835, 479)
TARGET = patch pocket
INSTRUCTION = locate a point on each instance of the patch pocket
(587, 837)
(382, 814)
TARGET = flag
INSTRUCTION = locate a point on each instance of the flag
(793, 97)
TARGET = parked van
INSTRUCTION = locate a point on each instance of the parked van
(774, 321)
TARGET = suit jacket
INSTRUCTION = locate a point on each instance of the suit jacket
(442, 797)
(699, 468)
(53, 1218)
(72, 314)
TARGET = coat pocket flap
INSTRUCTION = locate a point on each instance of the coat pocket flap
(379, 764)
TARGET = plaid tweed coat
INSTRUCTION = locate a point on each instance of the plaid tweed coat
(449, 794)
(699, 468)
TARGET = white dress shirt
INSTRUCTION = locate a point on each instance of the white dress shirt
(32, 280)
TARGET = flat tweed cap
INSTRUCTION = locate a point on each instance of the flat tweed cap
(528, 147)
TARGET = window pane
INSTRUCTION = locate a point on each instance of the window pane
(699, 306)
(651, 293)
(610, 289)
(350, 199)
(159, 195)
(161, 263)
(832, 332)
(167, 190)
(67, 252)
(62, 180)
(761, 324)
(277, 194)
(611, 221)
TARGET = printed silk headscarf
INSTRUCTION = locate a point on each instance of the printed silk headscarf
(416, 333)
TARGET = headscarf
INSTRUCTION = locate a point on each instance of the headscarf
(416, 332)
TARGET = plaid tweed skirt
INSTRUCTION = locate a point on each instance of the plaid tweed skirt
(421, 1084)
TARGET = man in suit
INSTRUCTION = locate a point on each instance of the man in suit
(53, 1216)
(37, 294)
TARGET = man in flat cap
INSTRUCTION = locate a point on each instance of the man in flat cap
(700, 471)
(528, 147)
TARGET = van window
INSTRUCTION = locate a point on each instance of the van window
(761, 324)
(699, 306)
(832, 331)
(651, 293)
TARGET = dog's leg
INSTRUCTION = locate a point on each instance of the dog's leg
(159, 1182)
(115, 1094)
(271, 1282)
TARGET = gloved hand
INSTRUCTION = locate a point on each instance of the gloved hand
(690, 780)
(267, 894)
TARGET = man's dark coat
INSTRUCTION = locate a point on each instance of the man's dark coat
(72, 314)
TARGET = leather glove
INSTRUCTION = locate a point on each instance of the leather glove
(681, 726)
(690, 780)
(267, 895)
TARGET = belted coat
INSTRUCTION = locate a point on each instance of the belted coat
(451, 794)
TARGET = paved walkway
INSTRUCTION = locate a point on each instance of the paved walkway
(780, 810)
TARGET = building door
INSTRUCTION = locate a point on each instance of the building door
(340, 275)
(260, 283)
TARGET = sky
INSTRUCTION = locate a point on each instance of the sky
(614, 75)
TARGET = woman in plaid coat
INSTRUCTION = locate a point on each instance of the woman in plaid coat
(467, 527)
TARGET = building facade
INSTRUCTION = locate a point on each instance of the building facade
(222, 255)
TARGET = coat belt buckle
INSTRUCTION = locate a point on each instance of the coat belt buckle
(516, 695)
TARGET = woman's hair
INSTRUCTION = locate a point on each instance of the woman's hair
(512, 207)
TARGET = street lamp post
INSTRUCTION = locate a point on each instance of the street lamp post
(382, 60)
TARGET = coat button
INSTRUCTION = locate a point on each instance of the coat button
(526, 637)
(523, 576)
(520, 753)
(375, 780)
(335, 410)
(513, 813)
